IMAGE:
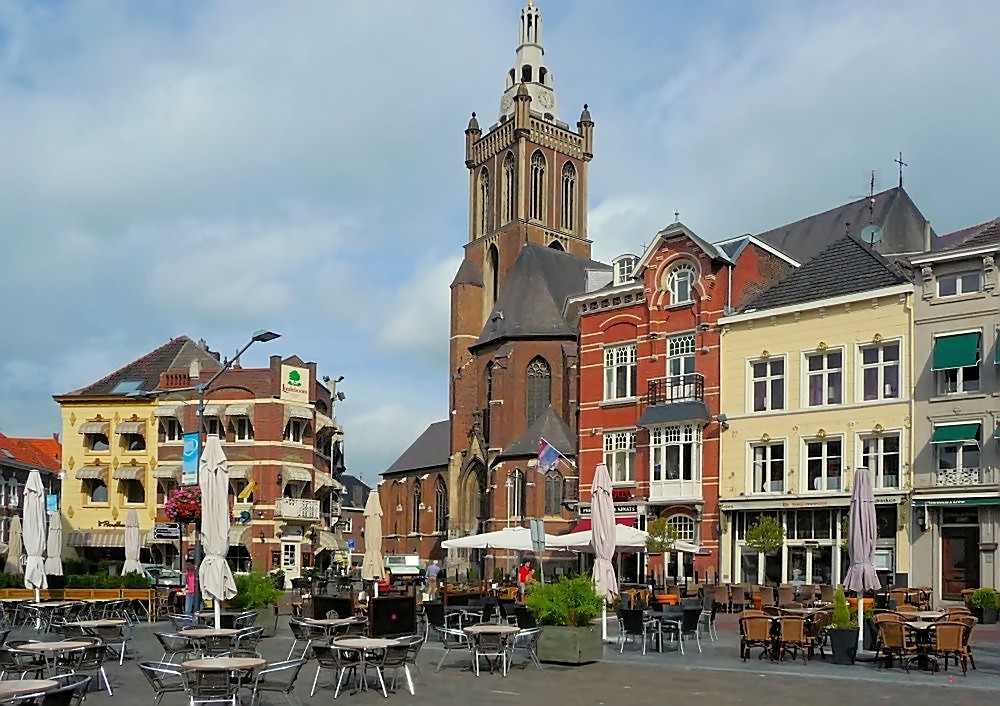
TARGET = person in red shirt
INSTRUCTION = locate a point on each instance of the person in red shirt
(525, 575)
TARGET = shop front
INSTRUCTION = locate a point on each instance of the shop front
(630, 565)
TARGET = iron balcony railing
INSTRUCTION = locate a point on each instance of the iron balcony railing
(297, 508)
(676, 388)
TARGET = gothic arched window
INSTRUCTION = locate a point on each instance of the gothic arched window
(680, 283)
(553, 493)
(536, 209)
(539, 389)
(417, 502)
(516, 494)
(569, 197)
(493, 273)
(509, 188)
(484, 202)
(440, 506)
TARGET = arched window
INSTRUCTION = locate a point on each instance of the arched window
(683, 525)
(490, 371)
(509, 188)
(440, 506)
(493, 273)
(568, 197)
(556, 245)
(680, 282)
(417, 506)
(553, 493)
(539, 390)
(536, 209)
(484, 201)
(515, 493)
(482, 497)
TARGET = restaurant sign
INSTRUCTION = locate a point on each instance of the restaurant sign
(620, 510)
(295, 384)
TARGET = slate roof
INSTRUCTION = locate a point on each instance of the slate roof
(468, 273)
(175, 355)
(847, 266)
(532, 300)
(988, 234)
(355, 492)
(430, 450)
(25, 452)
(894, 210)
(549, 426)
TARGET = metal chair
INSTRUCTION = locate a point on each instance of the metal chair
(173, 644)
(215, 686)
(633, 624)
(332, 615)
(339, 660)
(71, 694)
(489, 645)
(112, 635)
(91, 659)
(452, 640)
(278, 678)
(413, 643)
(527, 641)
(163, 677)
(248, 638)
(303, 632)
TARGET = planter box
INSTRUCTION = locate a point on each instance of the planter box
(78, 594)
(570, 645)
(985, 616)
(19, 593)
(137, 594)
(844, 644)
(105, 593)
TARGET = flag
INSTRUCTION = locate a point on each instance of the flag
(548, 456)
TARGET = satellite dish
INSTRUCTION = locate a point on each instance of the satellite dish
(871, 234)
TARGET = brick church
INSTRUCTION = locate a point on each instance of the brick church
(513, 343)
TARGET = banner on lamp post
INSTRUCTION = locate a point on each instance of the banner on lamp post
(189, 467)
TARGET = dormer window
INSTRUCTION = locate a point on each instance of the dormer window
(624, 267)
(680, 283)
(960, 283)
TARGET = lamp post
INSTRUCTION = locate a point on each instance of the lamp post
(202, 389)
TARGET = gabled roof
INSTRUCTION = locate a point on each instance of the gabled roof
(901, 221)
(355, 492)
(678, 229)
(143, 374)
(549, 426)
(734, 247)
(988, 234)
(24, 451)
(534, 293)
(845, 267)
(430, 450)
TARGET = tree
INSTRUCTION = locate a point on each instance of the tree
(662, 536)
(766, 535)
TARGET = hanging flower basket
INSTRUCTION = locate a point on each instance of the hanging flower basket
(184, 505)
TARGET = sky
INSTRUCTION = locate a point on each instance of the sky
(211, 168)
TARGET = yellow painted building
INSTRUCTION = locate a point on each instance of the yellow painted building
(816, 382)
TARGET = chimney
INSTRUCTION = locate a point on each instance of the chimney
(927, 236)
(194, 371)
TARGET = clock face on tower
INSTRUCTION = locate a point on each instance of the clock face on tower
(545, 99)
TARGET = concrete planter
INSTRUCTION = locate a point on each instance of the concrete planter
(568, 645)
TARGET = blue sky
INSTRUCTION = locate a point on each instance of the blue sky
(212, 168)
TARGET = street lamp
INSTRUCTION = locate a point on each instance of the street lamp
(202, 389)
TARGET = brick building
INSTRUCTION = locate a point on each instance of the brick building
(279, 433)
(352, 522)
(19, 456)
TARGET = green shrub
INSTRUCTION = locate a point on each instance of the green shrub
(842, 617)
(662, 536)
(571, 602)
(254, 591)
(56, 582)
(766, 534)
(134, 579)
(984, 599)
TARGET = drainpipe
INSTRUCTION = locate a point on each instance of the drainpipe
(927, 236)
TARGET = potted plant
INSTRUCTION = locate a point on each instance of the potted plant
(256, 591)
(843, 630)
(766, 535)
(566, 609)
(277, 576)
(984, 603)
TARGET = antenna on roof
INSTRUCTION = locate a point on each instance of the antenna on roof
(871, 233)
(871, 199)
(901, 163)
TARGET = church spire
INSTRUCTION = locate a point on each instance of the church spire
(530, 69)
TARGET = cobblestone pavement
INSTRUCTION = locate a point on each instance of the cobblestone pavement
(715, 676)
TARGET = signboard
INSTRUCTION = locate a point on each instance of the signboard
(295, 384)
(166, 530)
(351, 544)
(623, 510)
(189, 469)
(52, 502)
(537, 528)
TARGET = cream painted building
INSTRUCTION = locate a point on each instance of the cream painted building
(816, 382)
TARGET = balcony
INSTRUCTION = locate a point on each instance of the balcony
(676, 388)
(964, 477)
(296, 509)
(335, 508)
(682, 491)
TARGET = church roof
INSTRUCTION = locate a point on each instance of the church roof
(901, 221)
(549, 426)
(846, 267)
(468, 273)
(533, 296)
(430, 450)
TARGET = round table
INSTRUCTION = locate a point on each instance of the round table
(209, 632)
(491, 629)
(105, 623)
(53, 647)
(21, 687)
(362, 643)
(930, 615)
(211, 664)
(331, 622)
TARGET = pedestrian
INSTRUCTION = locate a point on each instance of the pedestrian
(431, 575)
(525, 575)
(190, 577)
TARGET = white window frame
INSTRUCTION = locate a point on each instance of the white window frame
(624, 266)
(242, 428)
(690, 273)
(953, 381)
(769, 379)
(347, 525)
(824, 458)
(295, 431)
(959, 279)
(289, 555)
(766, 462)
(880, 366)
(214, 425)
(620, 360)
(173, 432)
(619, 456)
(684, 442)
(825, 374)
(874, 460)
(685, 527)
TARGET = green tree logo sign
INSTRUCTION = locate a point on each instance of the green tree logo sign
(294, 379)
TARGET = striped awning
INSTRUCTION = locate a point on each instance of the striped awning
(92, 472)
(239, 410)
(97, 538)
(325, 480)
(240, 534)
(239, 472)
(95, 428)
(131, 428)
(324, 422)
(214, 410)
(294, 473)
(293, 412)
(168, 471)
(327, 541)
(168, 410)
(130, 472)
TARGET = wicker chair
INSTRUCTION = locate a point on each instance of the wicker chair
(755, 631)
(948, 640)
(792, 636)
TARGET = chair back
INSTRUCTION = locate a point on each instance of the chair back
(786, 594)
(948, 636)
(752, 612)
(332, 615)
(434, 610)
(826, 593)
(899, 596)
(66, 695)
(885, 617)
(214, 685)
(452, 638)
(632, 620)
(690, 619)
(793, 628)
(906, 608)
(893, 634)
(525, 618)
(720, 594)
(957, 610)
(756, 627)
(766, 595)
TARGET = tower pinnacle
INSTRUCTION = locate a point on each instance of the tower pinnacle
(529, 68)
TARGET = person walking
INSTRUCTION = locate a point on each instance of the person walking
(525, 575)
(189, 584)
(431, 577)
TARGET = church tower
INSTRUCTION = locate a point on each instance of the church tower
(527, 250)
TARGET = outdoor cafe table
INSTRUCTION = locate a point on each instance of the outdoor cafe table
(209, 632)
(363, 645)
(22, 687)
(491, 629)
(105, 623)
(51, 649)
(929, 615)
(329, 624)
(213, 664)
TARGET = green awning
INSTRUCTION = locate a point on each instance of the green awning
(996, 434)
(955, 433)
(996, 358)
(958, 351)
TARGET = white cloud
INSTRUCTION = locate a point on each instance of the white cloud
(418, 316)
